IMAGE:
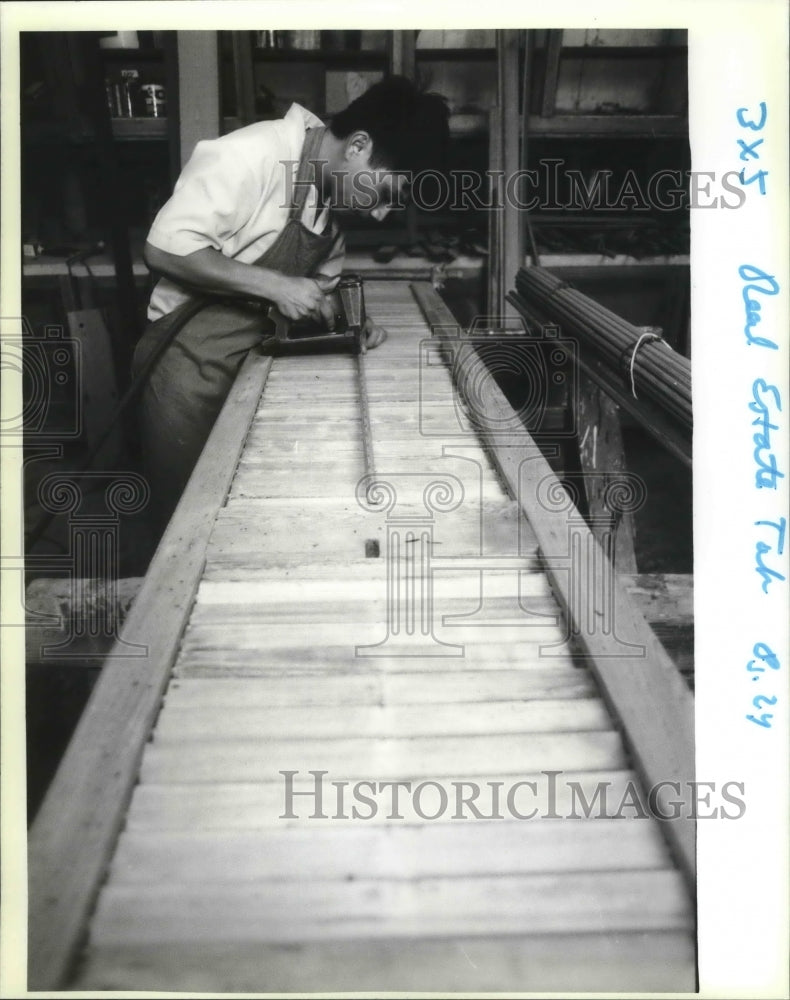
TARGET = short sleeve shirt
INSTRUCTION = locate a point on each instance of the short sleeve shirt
(234, 195)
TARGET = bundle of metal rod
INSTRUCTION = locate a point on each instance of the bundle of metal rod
(669, 432)
(610, 334)
(648, 366)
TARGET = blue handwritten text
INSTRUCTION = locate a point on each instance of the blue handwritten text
(764, 657)
(767, 474)
(769, 286)
(762, 549)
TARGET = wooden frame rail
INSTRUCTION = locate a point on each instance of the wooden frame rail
(74, 834)
(646, 693)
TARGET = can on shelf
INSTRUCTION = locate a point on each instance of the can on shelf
(155, 101)
(268, 39)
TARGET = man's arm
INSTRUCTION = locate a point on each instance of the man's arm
(210, 272)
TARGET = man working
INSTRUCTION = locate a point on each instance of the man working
(255, 216)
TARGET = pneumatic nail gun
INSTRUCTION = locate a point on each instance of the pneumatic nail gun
(348, 304)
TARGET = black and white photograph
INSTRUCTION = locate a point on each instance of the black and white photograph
(395, 501)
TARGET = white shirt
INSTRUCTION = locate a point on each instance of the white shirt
(234, 195)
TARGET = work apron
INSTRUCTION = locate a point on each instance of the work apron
(185, 391)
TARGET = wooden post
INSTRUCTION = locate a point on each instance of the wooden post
(402, 62)
(601, 457)
(198, 89)
(676, 324)
(243, 77)
(512, 242)
(172, 89)
(552, 75)
(112, 205)
(526, 104)
(494, 299)
(402, 59)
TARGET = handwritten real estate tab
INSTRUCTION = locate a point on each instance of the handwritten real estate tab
(740, 369)
(763, 297)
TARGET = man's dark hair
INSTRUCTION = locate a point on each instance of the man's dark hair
(409, 127)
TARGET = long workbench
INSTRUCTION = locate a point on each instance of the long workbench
(360, 596)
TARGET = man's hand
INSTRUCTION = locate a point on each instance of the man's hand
(306, 298)
(374, 334)
(302, 298)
